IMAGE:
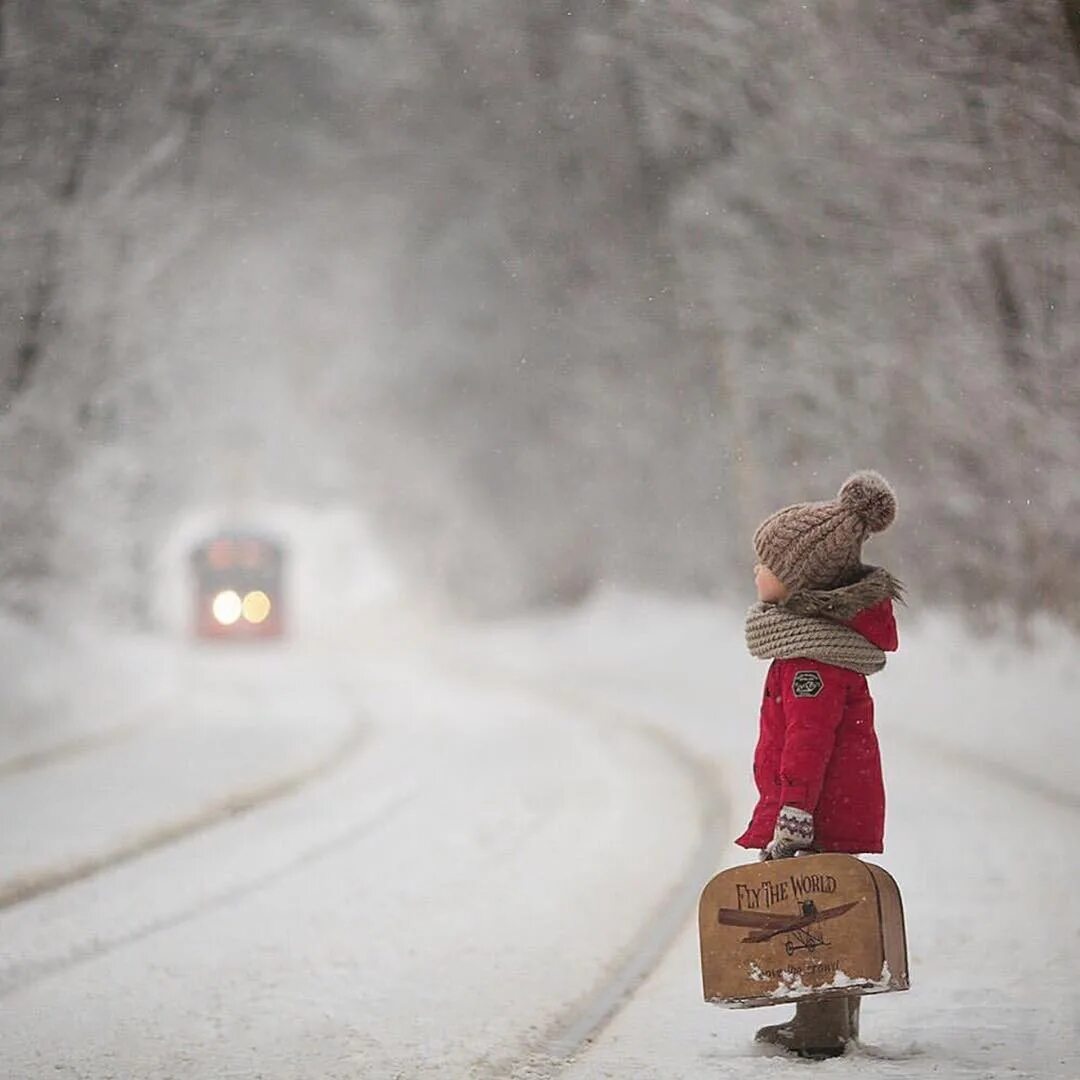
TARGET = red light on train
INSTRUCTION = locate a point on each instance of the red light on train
(220, 554)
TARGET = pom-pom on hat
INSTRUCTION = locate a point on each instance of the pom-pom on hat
(819, 545)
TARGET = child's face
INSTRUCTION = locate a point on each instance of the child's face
(770, 588)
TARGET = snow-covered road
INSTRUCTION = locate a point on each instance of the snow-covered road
(477, 855)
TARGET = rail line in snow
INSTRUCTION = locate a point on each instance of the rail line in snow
(585, 1020)
(555, 1048)
(43, 757)
(571, 1030)
(20, 889)
(1002, 771)
(21, 976)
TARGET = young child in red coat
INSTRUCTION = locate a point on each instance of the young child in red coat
(825, 620)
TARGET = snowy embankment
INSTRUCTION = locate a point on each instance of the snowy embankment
(982, 757)
(67, 688)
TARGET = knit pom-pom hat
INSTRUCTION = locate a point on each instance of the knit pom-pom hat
(819, 545)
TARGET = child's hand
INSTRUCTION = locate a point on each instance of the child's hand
(794, 832)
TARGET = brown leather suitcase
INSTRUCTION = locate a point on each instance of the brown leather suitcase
(809, 927)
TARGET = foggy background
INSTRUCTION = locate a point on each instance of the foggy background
(553, 294)
(510, 321)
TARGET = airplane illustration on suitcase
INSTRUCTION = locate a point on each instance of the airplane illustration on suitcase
(765, 925)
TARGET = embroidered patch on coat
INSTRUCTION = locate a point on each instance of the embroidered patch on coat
(807, 684)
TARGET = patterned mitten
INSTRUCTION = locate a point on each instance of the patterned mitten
(794, 832)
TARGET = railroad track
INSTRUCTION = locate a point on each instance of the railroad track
(1009, 775)
(43, 757)
(23, 888)
(576, 1026)
(557, 1040)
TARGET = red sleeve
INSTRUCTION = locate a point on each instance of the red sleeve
(813, 700)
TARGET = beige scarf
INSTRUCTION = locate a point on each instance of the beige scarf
(809, 623)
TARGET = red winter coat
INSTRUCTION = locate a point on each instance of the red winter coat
(820, 752)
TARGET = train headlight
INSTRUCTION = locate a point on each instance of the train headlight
(227, 607)
(256, 607)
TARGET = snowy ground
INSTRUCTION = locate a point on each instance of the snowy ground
(475, 853)
(981, 753)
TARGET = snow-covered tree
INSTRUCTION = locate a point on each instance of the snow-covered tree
(565, 292)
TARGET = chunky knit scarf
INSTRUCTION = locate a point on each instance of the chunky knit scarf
(810, 623)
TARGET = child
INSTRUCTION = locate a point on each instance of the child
(826, 621)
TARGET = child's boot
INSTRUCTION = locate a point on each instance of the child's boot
(819, 1029)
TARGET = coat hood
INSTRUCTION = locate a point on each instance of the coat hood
(866, 605)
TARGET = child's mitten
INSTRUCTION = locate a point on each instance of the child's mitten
(794, 832)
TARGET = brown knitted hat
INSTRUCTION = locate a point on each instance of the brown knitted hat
(819, 545)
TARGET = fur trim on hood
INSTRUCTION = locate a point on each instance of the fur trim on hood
(843, 604)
